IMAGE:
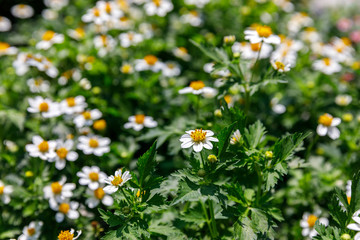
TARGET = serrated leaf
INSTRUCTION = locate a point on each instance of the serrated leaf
(224, 137)
(254, 134)
(243, 229)
(146, 164)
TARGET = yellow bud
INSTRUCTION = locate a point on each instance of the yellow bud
(320, 151)
(347, 117)
(96, 90)
(29, 174)
(218, 113)
(269, 154)
(212, 158)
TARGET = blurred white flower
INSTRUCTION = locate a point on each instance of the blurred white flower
(59, 191)
(22, 11)
(105, 44)
(149, 62)
(343, 100)
(96, 196)
(32, 231)
(37, 85)
(73, 105)
(171, 69)
(46, 107)
(158, 7)
(182, 53)
(5, 24)
(251, 50)
(193, 18)
(198, 87)
(56, 4)
(261, 34)
(91, 176)
(65, 208)
(236, 137)
(64, 153)
(6, 49)
(48, 39)
(87, 117)
(94, 145)
(139, 121)
(41, 148)
(308, 223)
(5, 192)
(327, 66)
(130, 39)
(197, 3)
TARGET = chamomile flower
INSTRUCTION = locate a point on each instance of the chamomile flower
(193, 18)
(77, 33)
(94, 145)
(310, 35)
(327, 66)
(251, 50)
(65, 208)
(37, 85)
(116, 181)
(73, 105)
(56, 4)
(5, 192)
(198, 139)
(139, 121)
(308, 223)
(158, 7)
(22, 11)
(298, 21)
(130, 39)
(48, 39)
(197, 3)
(104, 44)
(45, 107)
(126, 68)
(41, 148)
(96, 196)
(110, 10)
(49, 14)
(64, 153)
(182, 53)
(69, 235)
(87, 117)
(236, 137)
(327, 125)
(198, 87)
(32, 231)
(149, 62)
(343, 100)
(261, 34)
(355, 226)
(5, 24)
(91, 176)
(59, 191)
(280, 66)
(93, 15)
(6, 49)
(171, 69)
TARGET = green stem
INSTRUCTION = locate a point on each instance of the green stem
(202, 163)
(126, 198)
(260, 180)
(212, 219)
(197, 108)
(207, 218)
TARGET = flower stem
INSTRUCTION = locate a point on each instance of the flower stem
(126, 198)
(212, 219)
(260, 180)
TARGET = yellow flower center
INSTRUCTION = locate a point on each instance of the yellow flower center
(150, 59)
(43, 107)
(124, 19)
(94, 176)
(21, 6)
(325, 119)
(279, 65)
(31, 231)
(100, 124)
(326, 61)
(93, 143)
(157, 2)
(311, 220)
(349, 199)
(198, 135)
(228, 99)
(264, 31)
(170, 65)
(117, 181)
(62, 152)
(43, 146)
(80, 32)
(96, 12)
(197, 85)
(87, 115)
(71, 102)
(48, 35)
(139, 118)
(4, 46)
(183, 50)
(346, 41)
(65, 235)
(99, 193)
(56, 187)
(104, 39)
(38, 82)
(108, 8)
(194, 13)
(126, 68)
(2, 190)
(255, 46)
(64, 208)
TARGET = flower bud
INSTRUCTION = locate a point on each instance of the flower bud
(212, 158)
(228, 40)
(201, 173)
(218, 113)
(345, 236)
(269, 154)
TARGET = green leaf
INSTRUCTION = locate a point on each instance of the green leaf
(146, 164)
(243, 229)
(254, 134)
(224, 138)
(355, 194)
(259, 220)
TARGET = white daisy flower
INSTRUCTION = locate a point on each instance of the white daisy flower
(130, 39)
(308, 223)
(197, 3)
(91, 176)
(261, 34)
(63, 153)
(87, 118)
(310, 35)
(5, 192)
(116, 181)
(41, 148)
(69, 235)
(59, 191)
(348, 191)
(327, 66)
(343, 100)
(56, 4)
(298, 21)
(158, 7)
(251, 50)
(105, 44)
(236, 137)
(193, 18)
(73, 105)
(6, 49)
(339, 49)
(327, 125)
(5, 24)
(48, 39)
(32, 231)
(171, 69)
(150, 62)
(355, 226)
(198, 87)
(110, 10)
(96, 196)
(198, 139)
(37, 85)
(49, 14)
(46, 107)
(20, 64)
(280, 66)
(94, 145)
(65, 208)
(77, 33)
(139, 121)
(93, 15)
(182, 53)
(22, 11)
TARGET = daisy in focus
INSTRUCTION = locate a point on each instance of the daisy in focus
(87, 117)
(48, 39)
(327, 125)
(32, 231)
(158, 7)
(198, 139)
(46, 107)
(197, 88)
(149, 62)
(69, 235)
(64, 153)
(261, 34)
(235, 138)
(59, 191)
(355, 226)
(327, 66)
(139, 121)
(94, 145)
(22, 11)
(114, 182)
(308, 223)
(41, 148)
(5, 192)
(96, 196)
(73, 105)
(65, 208)
(6, 49)
(91, 177)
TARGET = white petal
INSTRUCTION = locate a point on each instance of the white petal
(321, 130)
(198, 147)
(334, 133)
